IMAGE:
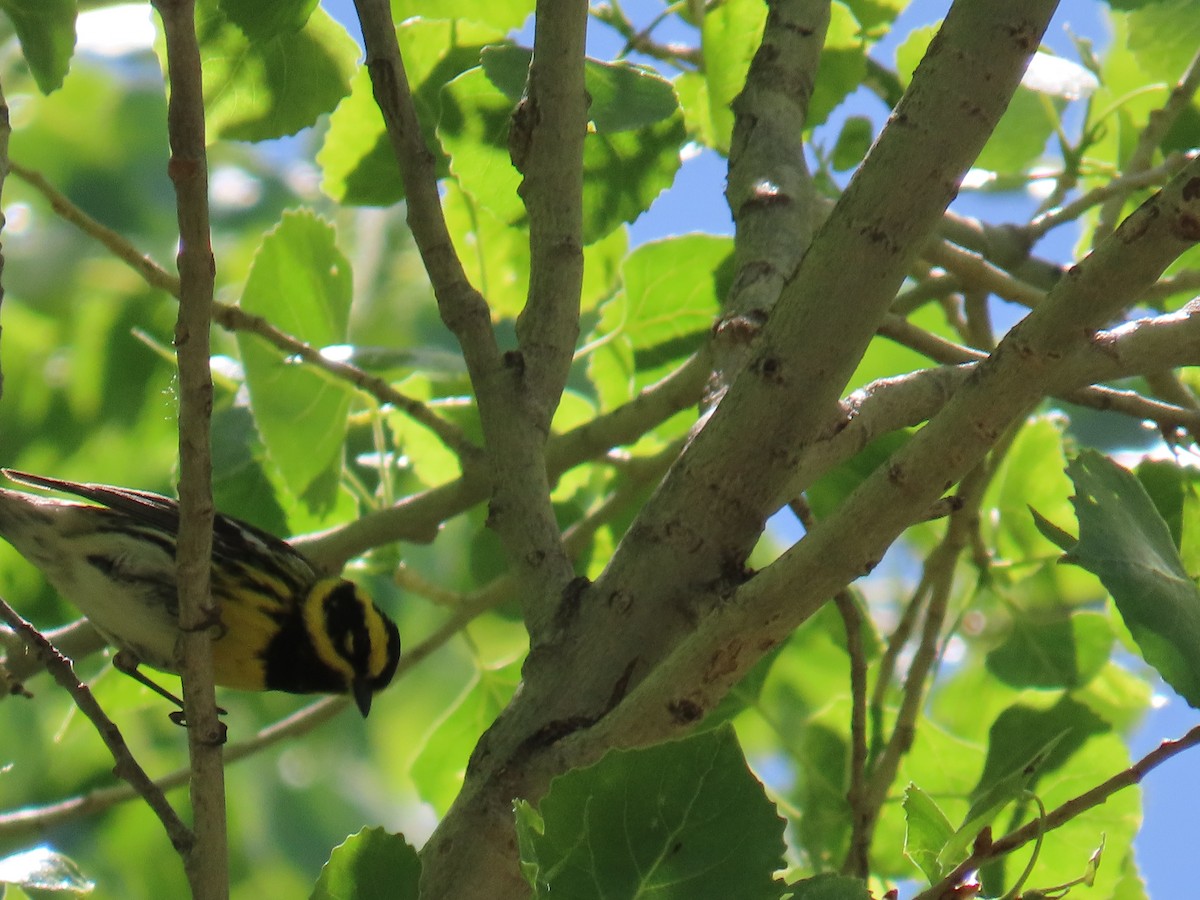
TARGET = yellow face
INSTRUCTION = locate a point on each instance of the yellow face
(349, 633)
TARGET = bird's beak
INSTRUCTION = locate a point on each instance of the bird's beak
(362, 695)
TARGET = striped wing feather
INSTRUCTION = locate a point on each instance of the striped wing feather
(238, 547)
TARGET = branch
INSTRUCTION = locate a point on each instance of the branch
(939, 575)
(684, 555)
(462, 308)
(546, 145)
(769, 190)
(207, 861)
(973, 269)
(1030, 362)
(521, 512)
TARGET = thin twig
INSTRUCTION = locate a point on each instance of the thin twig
(1119, 187)
(858, 858)
(939, 574)
(640, 41)
(126, 766)
(233, 318)
(972, 269)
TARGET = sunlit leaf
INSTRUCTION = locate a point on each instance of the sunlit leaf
(300, 282)
(255, 91)
(1124, 541)
(263, 21)
(46, 29)
(370, 865)
(928, 831)
(356, 158)
(686, 818)
(502, 15)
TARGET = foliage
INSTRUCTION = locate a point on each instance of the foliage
(699, 718)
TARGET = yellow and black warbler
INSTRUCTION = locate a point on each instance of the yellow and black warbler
(282, 626)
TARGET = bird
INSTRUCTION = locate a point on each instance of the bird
(282, 625)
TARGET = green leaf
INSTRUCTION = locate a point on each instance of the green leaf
(842, 66)
(495, 257)
(300, 282)
(626, 97)
(875, 15)
(46, 30)
(529, 827)
(623, 96)
(692, 90)
(1189, 537)
(668, 305)
(370, 865)
(1024, 745)
(828, 886)
(1062, 538)
(729, 37)
(1064, 652)
(623, 171)
(1163, 37)
(1031, 474)
(1125, 542)
(926, 833)
(854, 140)
(43, 869)
(255, 90)
(438, 768)
(822, 756)
(1165, 484)
(911, 51)
(473, 129)
(681, 819)
(262, 21)
(356, 157)
(240, 486)
(1020, 136)
(501, 15)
